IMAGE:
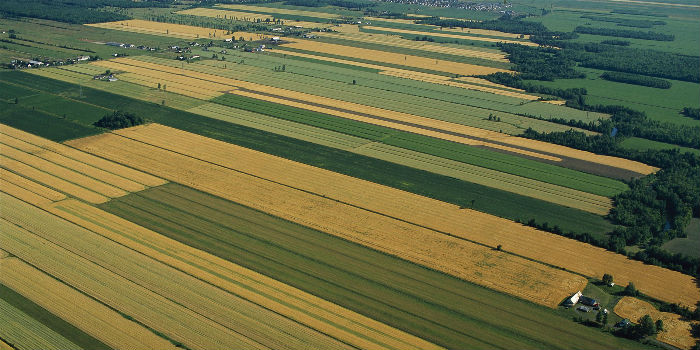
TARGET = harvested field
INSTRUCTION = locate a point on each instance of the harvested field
(451, 36)
(155, 294)
(483, 32)
(301, 307)
(472, 262)
(175, 86)
(439, 216)
(5, 346)
(175, 30)
(391, 58)
(677, 332)
(23, 331)
(78, 309)
(247, 17)
(284, 11)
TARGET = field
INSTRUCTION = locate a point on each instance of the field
(282, 11)
(334, 209)
(689, 244)
(18, 328)
(176, 30)
(677, 332)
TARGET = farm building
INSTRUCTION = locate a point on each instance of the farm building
(573, 299)
(588, 301)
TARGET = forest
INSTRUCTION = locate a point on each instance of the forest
(636, 80)
(624, 33)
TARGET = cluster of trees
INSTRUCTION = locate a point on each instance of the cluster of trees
(516, 81)
(636, 79)
(625, 22)
(644, 328)
(119, 120)
(616, 42)
(503, 24)
(624, 33)
(540, 63)
(424, 38)
(691, 112)
(73, 11)
(639, 13)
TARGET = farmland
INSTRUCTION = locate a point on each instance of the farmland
(124, 150)
(349, 174)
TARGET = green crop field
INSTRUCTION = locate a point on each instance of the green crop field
(688, 245)
(432, 305)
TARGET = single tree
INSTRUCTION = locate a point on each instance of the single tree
(607, 279)
(659, 325)
(646, 326)
(631, 290)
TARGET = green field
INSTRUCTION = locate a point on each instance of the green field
(432, 305)
(49, 320)
(463, 193)
(43, 124)
(644, 144)
(690, 245)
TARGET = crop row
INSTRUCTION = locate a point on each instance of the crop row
(28, 333)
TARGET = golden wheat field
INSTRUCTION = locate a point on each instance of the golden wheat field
(249, 17)
(273, 10)
(452, 36)
(677, 332)
(299, 306)
(391, 58)
(472, 262)
(486, 229)
(176, 30)
(80, 310)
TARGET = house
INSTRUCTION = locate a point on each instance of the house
(623, 324)
(588, 301)
(34, 63)
(573, 299)
(112, 43)
(83, 58)
(276, 29)
(228, 40)
(275, 39)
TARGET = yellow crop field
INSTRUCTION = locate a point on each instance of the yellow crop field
(82, 157)
(169, 85)
(285, 11)
(677, 332)
(159, 296)
(307, 309)
(20, 328)
(175, 30)
(552, 249)
(87, 170)
(23, 194)
(458, 257)
(452, 36)
(392, 58)
(226, 14)
(484, 32)
(31, 185)
(78, 309)
(5, 346)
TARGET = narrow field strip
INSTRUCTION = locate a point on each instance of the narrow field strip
(425, 212)
(174, 30)
(677, 332)
(31, 185)
(78, 309)
(314, 312)
(475, 263)
(23, 194)
(391, 58)
(25, 332)
(82, 157)
(285, 11)
(451, 36)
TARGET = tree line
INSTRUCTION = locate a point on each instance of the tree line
(691, 112)
(503, 24)
(625, 33)
(73, 11)
(625, 22)
(636, 80)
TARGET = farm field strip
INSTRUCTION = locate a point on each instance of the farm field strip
(174, 30)
(153, 284)
(280, 126)
(78, 309)
(512, 183)
(284, 11)
(677, 332)
(82, 168)
(23, 194)
(304, 308)
(24, 331)
(31, 186)
(391, 58)
(146, 307)
(482, 32)
(86, 158)
(492, 178)
(226, 14)
(472, 262)
(451, 36)
(397, 41)
(432, 79)
(171, 86)
(553, 249)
